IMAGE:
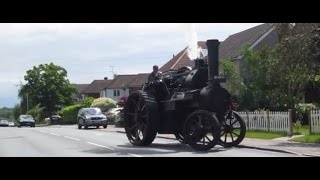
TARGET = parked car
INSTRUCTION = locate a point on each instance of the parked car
(4, 123)
(11, 124)
(54, 118)
(91, 117)
(112, 113)
(26, 120)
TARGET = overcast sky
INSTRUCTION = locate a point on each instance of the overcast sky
(87, 51)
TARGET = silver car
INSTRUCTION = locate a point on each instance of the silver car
(91, 117)
(4, 123)
(26, 120)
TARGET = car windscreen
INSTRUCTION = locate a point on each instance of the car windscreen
(26, 117)
(92, 111)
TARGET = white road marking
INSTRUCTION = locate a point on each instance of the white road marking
(134, 155)
(55, 134)
(72, 138)
(100, 145)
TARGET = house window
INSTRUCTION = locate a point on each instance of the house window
(116, 93)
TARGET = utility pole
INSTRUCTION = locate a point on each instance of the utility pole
(112, 71)
(27, 102)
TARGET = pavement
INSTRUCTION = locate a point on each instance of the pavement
(69, 141)
(277, 145)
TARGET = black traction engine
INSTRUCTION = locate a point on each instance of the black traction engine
(189, 103)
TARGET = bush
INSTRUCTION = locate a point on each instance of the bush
(118, 120)
(302, 110)
(122, 102)
(88, 101)
(69, 114)
(111, 120)
(37, 113)
(104, 104)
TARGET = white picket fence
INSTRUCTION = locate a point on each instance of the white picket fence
(315, 121)
(268, 121)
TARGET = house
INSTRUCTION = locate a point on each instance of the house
(94, 89)
(138, 82)
(79, 96)
(123, 85)
(118, 87)
(255, 38)
(231, 47)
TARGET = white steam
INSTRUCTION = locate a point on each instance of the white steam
(192, 39)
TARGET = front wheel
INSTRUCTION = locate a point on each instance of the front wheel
(233, 130)
(201, 130)
(105, 126)
(180, 138)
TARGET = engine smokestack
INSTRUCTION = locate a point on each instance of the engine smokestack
(213, 58)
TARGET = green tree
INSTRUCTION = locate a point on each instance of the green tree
(48, 86)
(299, 59)
(6, 113)
(234, 81)
(278, 77)
(17, 111)
(260, 78)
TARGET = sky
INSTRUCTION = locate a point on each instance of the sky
(90, 51)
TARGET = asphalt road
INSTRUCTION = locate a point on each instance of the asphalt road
(68, 141)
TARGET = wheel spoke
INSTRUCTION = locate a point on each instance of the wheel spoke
(137, 107)
(208, 138)
(231, 137)
(235, 134)
(143, 107)
(234, 122)
(223, 133)
(139, 131)
(143, 126)
(199, 120)
(225, 137)
(135, 125)
(139, 103)
(131, 114)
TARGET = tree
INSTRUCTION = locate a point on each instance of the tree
(17, 111)
(6, 113)
(48, 86)
(278, 77)
(260, 91)
(233, 79)
(299, 59)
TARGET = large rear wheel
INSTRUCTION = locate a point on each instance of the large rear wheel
(140, 119)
